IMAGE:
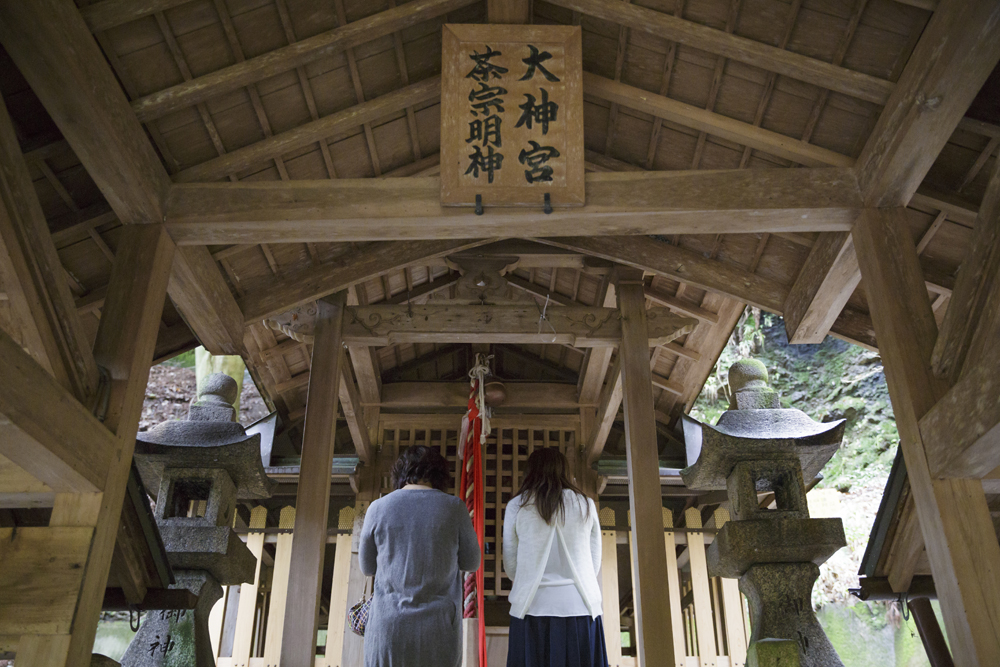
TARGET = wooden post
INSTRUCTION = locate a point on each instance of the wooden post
(243, 639)
(701, 592)
(610, 597)
(655, 645)
(954, 517)
(674, 589)
(280, 589)
(298, 645)
(732, 608)
(338, 601)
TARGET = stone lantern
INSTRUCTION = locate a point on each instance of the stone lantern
(757, 447)
(200, 466)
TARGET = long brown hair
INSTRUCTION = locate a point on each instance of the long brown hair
(545, 479)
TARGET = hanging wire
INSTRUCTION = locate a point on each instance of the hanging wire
(904, 605)
(542, 317)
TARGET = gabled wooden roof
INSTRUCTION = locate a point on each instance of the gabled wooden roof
(278, 90)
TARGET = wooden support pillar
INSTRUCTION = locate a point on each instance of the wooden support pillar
(954, 517)
(298, 646)
(652, 611)
(125, 343)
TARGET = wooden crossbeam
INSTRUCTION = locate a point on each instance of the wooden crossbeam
(569, 325)
(45, 430)
(108, 14)
(824, 285)
(703, 38)
(687, 115)
(369, 262)
(427, 395)
(20, 489)
(675, 202)
(200, 294)
(351, 404)
(252, 70)
(607, 411)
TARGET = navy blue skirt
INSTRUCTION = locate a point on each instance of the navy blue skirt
(551, 641)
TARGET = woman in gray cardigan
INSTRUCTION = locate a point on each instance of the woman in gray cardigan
(414, 541)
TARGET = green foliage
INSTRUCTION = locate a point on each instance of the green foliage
(832, 380)
(182, 360)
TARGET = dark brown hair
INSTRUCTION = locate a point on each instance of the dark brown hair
(545, 479)
(421, 464)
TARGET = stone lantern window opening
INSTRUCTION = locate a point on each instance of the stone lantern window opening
(189, 498)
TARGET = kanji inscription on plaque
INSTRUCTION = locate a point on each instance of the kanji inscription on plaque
(511, 115)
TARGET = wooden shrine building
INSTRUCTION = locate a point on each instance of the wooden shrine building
(184, 172)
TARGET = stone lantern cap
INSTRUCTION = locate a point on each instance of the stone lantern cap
(754, 429)
(208, 438)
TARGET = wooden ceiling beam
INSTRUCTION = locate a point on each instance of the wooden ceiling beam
(509, 11)
(956, 53)
(379, 326)
(709, 122)
(741, 49)
(252, 70)
(314, 282)
(333, 125)
(427, 395)
(641, 203)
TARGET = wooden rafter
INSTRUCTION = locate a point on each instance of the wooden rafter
(705, 121)
(288, 57)
(803, 68)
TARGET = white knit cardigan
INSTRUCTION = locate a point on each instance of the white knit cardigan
(527, 540)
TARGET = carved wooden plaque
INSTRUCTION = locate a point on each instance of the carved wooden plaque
(511, 115)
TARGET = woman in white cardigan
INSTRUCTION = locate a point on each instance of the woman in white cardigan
(552, 553)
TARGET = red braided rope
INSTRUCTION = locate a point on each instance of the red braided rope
(472, 492)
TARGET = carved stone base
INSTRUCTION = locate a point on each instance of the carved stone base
(780, 598)
(178, 638)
